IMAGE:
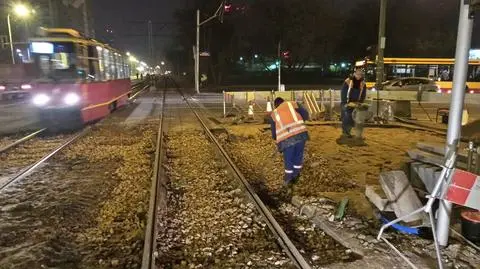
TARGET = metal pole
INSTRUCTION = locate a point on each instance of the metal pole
(197, 55)
(464, 36)
(224, 105)
(279, 66)
(381, 49)
(85, 19)
(10, 37)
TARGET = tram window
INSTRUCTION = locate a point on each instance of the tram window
(101, 64)
(118, 61)
(82, 63)
(93, 64)
(107, 62)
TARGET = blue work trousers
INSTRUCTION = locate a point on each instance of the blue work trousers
(293, 160)
(347, 119)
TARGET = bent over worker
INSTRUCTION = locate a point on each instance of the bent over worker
(353, 92)
(290, 134)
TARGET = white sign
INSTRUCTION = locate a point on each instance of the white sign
(42, 47)
(474, 54)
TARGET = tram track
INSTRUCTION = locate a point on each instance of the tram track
(52, 187)
(17, 163)
(154, 255)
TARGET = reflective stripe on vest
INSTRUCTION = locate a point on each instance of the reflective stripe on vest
(287, 121)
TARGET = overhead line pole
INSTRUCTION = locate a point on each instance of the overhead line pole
(381, 49)
(464, 38)
(197, 46)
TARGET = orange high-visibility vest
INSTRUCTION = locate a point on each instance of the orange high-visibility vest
(288, 122)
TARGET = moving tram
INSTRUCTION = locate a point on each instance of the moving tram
(78, 80)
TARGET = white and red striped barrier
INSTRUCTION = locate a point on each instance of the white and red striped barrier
(464, 189)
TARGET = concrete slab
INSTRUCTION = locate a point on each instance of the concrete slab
(439, 148)
(381, 203)
(430, 158)
(402, 196)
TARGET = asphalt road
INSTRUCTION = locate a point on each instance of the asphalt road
(17, 117)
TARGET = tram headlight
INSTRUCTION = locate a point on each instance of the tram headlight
(71, 99)
(26, 87)
(41, 99)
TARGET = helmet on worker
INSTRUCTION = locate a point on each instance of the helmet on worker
(278, 101)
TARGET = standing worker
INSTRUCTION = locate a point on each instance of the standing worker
(290, 133)
(353, 92)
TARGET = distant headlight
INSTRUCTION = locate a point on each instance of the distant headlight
(439, 90)
(2, 88)
(26, 86)
(71, 99)
(449, 91)
(41, 99)
(472, 91)
(373, 89)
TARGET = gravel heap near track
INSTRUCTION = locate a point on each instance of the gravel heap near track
(118, 236)
(256, 155)
(208, 222)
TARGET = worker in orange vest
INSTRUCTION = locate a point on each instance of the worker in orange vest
(290, 133)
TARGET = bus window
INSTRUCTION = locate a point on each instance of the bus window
(473, 73)
(422, 71)
(445, 73)
(370, 73)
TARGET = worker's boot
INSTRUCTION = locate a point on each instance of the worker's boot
(287, 179)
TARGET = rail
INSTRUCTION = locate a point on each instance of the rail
(28, 170)
(148, 259)
(22, 140)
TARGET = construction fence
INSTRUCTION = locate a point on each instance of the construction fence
(319, 103)
(324, 104)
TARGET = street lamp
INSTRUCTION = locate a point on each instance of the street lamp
(21, 11)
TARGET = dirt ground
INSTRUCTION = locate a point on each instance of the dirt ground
(332, 169)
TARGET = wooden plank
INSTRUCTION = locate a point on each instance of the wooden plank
(402, 196)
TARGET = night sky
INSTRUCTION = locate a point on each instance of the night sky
(128, 21)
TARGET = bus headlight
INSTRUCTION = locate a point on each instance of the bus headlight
(41, 99)
(71, 99)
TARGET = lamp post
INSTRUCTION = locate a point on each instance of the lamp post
(21, 11)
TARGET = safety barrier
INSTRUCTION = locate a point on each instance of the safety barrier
(321, 103)
(252, 103)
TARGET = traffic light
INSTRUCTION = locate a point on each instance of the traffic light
(227, 7)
